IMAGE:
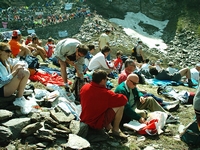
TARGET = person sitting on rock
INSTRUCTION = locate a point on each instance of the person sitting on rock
(137, 102)
(171, 68)
(89, 56)
(12, 77)
(195, 72)
(99, 61)
(38, 50)
(16, 47)
(118, 63)
(165, 75)
(102, 108)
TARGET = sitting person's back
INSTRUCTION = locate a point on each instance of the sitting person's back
(99, 61)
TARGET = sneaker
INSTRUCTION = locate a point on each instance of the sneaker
(27, 92)
(171, 108)
(172, 119)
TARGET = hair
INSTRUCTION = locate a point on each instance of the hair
(99, 75)
(3, 45)
(146, 60)
(129, 62)
(34, 38)
(119, 53)
(50, 39)
(139, 42)
(91, 46)
(105, 49)
(153, 71)
(107, 30)
(83, 49)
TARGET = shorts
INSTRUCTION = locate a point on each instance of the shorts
(109, 117)
(176, 77)
(2, 91)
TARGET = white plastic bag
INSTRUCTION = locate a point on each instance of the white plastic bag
(26, 105)
(161, 116)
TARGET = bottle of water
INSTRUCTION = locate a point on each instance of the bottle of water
(71, 96)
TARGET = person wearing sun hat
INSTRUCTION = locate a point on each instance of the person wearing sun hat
(171, 68)
(17, 48)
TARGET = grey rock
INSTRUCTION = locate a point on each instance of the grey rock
(5, 114)
(16, 125)
(30, 129)
(5, 135)
(77, 142)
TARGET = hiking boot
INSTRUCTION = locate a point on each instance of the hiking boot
(119, 134)
(172, 119)
(190, 83)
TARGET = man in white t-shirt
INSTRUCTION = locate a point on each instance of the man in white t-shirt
(99, 61)
(195, 72)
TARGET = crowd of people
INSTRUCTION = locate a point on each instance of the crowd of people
(41, 14)
(102, 108)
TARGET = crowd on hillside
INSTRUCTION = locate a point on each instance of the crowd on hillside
(102, 108)
(51, 12)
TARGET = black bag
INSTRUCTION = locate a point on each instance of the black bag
(191, 135)
(32, 61)
(134, 51)
(77, 85)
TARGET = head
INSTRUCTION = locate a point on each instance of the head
(153, 71)
(170, 64)
(50, 40)
(107, 31)
(129, 65)
(139, 42)
(105, 50)
(197, 67)
(16, 35)
(146, 60)
(100, 77)
(81, 50)
(132, 80)
(29, 37)
(35, 39)
(91, 48)
(119, 54)
(5, 51)
(33, 35)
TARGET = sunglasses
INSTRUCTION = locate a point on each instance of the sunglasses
(134, 83)
(7, 51)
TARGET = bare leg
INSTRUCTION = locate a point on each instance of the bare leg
(118, 117)
(63, 67)
(185, 72)
(17, 84)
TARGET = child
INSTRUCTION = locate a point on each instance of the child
(118, 61)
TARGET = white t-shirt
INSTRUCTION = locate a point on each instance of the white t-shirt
(194, 74)
(145, 67)
(103, 40)
(171, 70)
(99, 61)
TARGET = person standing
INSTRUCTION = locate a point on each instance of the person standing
(139, 56)
(104, 41)
(70, 51)
(100, 106)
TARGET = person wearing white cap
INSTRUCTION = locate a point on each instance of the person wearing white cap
(195, 72)
(17, 48)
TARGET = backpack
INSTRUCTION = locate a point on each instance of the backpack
(191, 134)
(32, 61)
(134, 51)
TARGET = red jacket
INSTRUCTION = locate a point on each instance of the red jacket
(95, 100)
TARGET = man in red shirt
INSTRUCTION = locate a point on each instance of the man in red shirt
(101, 106)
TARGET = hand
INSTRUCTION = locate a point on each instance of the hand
(142, 120)
(142, 100)
(20, 73)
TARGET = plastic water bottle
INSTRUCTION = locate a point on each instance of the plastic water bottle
(71, 96)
